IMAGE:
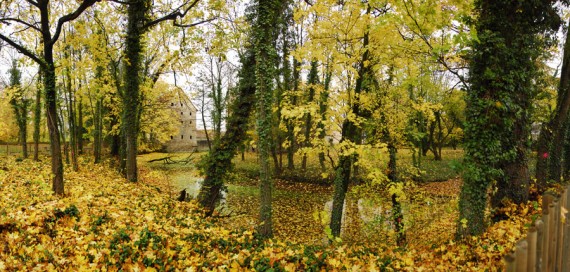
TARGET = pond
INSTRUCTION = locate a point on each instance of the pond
(301, 211)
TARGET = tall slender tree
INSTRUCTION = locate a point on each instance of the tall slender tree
(351, 134)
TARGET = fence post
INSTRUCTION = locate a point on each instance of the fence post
(510, 262)
(539, 225)
(531, 256)
(560, 226)
(566, 249)
(552, 229)
(547, 217)
(521, 255)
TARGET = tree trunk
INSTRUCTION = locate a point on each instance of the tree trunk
(290, 123)
(71, 116)
(550, 146)
(37, 117)
(218, 161)
(397, 214)
(268, 14)
(52, 122)
(98, 130)
(350, 133)
(502, 76)
(312, 81)
(20, 106)
(62, 135)
(341, 181)
(323, 106)
(80, 128)
(131, 100)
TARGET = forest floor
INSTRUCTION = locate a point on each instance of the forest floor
(106, 223)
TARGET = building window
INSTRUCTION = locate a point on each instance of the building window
(180, 104)
(171, 137)
(190, 113)
(190, 122)
(181, 113)
(190, 136)
(181, 136)
(181, 122)
(171, 104)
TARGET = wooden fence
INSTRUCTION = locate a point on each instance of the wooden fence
(547, 245)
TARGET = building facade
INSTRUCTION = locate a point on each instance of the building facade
(186, 111)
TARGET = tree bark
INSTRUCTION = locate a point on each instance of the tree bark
(290, 123)
(312, 81)
(350, 133)
(323, 106)
(550, 146)
(37, 117)
(218, 161)
(131, 100)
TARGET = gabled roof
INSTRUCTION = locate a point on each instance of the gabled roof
(182, 97)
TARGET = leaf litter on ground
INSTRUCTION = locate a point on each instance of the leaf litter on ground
(105, 223)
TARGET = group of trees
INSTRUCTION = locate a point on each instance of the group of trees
(330, 79)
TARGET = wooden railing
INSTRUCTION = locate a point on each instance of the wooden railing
(547, 245)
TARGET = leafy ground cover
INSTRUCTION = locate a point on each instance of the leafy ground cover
(106, 223)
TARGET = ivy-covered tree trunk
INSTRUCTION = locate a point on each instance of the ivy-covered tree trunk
(131, 98)
(502, 73)
(219, 161)
(265, 34)
(37, 116)
(397, 214)
(566, 159)
(550, 146)
(20, 106)
(52, 121)
(62, 137)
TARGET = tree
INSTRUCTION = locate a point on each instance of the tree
(257, 66)
(351, 133)
(501, 76)
(43, 28)
(137, 24)
(37, 116)
(550, 145)
(268, 14)
(20, 105)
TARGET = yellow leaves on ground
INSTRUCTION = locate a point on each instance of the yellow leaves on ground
(106, 223)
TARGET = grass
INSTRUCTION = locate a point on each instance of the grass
(298, 195)
(430, 170)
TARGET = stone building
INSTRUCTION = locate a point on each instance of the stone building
(186, 111)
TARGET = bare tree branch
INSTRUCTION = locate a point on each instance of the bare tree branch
(8, 20)
(22, 49)
(173, 15)
(119, 2)
(196, 23)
